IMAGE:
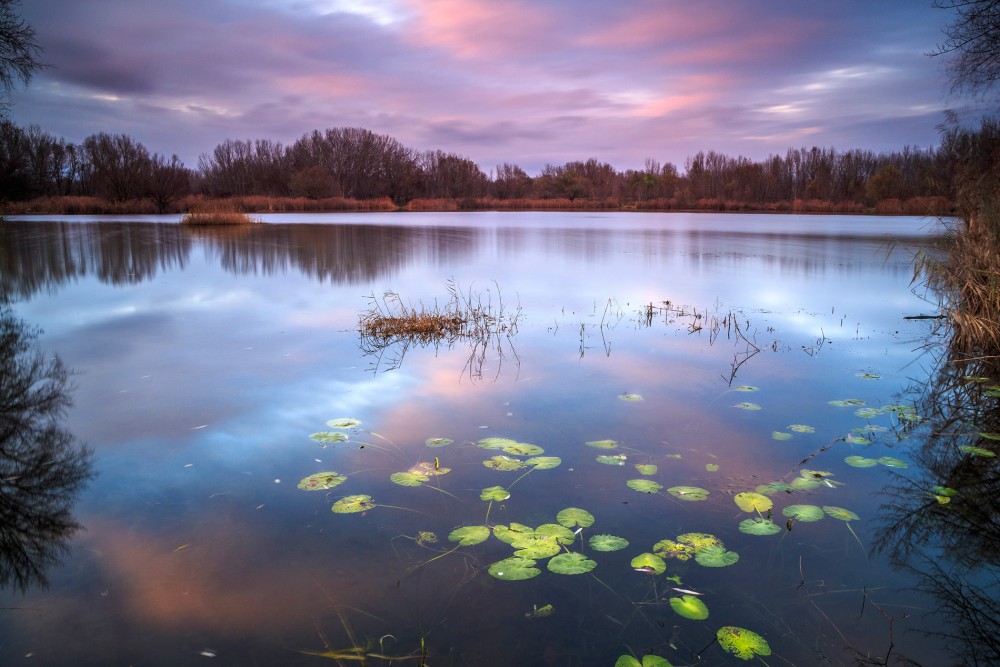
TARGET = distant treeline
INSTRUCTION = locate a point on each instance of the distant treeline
(354, 168)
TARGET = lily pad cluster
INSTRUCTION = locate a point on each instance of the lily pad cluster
(706, 549)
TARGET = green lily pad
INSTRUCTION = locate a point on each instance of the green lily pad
(557, 532)
(495, 443)
(814, 474)
(945, 491)
(803, 484)
(900, 409)
(466, 536)
(535, 546)
(688, 492)
(669, 549)
(847, 403)
(344, 422)
(749, 501)
(868, 413)
(408, 478)
(512, 532)
(494, 493)
(321, 481)
(647, 661)
(612, 459)
(571, 563)
(773, 487)
(745, 387)
(644, 485)
(646, 468)
(630, 397)
(602, 444)
(712, 467)
(574, 516)
(607, 543)
(780, 435)
(747, 406)
(857, 439)
(893, 462)
(715, 557)
(977, 451)
(759, 526)
(514, 569)
(742, 643)
(438, 442)
(351, 504)
(840, 513)
(690, 606)
(429, 468)
(699, 540)
(504, 463)
(860, 462)
(543, 462)
(649, 563)
(523, 449)
(801, 428)
(806, 513)
(329, 437)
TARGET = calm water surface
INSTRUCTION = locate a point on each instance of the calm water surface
(206, 358)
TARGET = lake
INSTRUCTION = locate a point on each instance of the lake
(655, 389)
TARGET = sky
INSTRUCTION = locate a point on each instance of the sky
(514, 81)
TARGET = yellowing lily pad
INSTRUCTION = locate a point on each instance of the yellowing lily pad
(780, 435)
(712, 467)
(344, 422)
(700, 540)
(607, 543)
(571, 563)
(669, 549)
(602, 444)
(644, 485)
(438, 442)
(329, 437)
(468, 535)
(801, 428)
(749, 501)
(742, 643)
(514, 569)
(649, 563)
(321, 480)
(351, 504)
(429, 468)
(574, 516)
(688, 492)
(689, 606)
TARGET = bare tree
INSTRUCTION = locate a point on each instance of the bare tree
(19, 53)
(973, 41)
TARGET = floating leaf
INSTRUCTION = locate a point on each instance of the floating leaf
(990, 436)
(602, 444)
(670, 549)
(535, 546)
(748, 501)
(328, 437)
(557, 532)
(514, 569)
(803, 484)
(494, 493)
(495, 443)
(523, 449)
(759, 526)
(814, 474)
(773, 487)
(429, 468)
(690, 606)
(688, 492)
(571, 563)
(644, 485)
(607, 543)
(612, 459)
(574, 516)
(540, 612)
(352, 504)
(629, 397)
(860, 462)
(868, 413)
(438, 442)
(646, 468)
(504, 463)
(745, 387)
(344, 422)
(742, 643)
(649, 563)
(712, 467)
(977, 451)
(869, 428)
(512, 532)
(780, 435)
(868, 376)
(945, 491)
(408, 478)
(806, 513)
(322, 480)
(840, 513)
(543, 462)
(699, 540)
(900, 409)
(715, 557)
(893, 462)
(466, 536)
(747, 406)
(647, 661)
(801, 428)
(847, 403)
(858, 440)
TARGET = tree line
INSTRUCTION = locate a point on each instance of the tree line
(356, 163)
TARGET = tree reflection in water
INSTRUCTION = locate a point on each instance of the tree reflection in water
(943, 522)
(42, 470)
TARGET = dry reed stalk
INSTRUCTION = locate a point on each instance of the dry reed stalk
(216, 218)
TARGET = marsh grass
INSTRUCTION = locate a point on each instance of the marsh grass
(216, 216)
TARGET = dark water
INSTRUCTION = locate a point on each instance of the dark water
(204, 360)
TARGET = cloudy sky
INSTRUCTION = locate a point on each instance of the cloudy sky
(526, 82)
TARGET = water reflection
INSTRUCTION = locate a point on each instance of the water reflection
(42, 470)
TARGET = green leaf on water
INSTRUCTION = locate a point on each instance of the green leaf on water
(945, 491)
(514, 569)
(522, 449)
(543, 462)
(840, 513)
(857, 440)
(646, 468)
(690, 606)
(747, 406)
(429, 468)
(571, 563)
(780, 435)
(688, 492)
(647, 661)
(512, 532)
(644, 485)
(868, 413)
(438, 442)
(715, 557)
(535, 546)
(629, 397)
(607, 543)
(860, 462)
(612, 459)
(344, 422)
(801, 428)
(351, 504)
(749, 501)
(494, 493)
(321, 481)
(602, 444)
(847, 403)
(556, 532)
(466, 536)
(759, 526)
(868, 376)
(805, 513)
(504, 463)
(495, 443)
(893, 462)
(990, 436)
(814, 474)
(977, 451)
(408, 478)
(712, 467)
(773, 487)
(574, 516)
(649, 563)
(328, 437)
(700, 540)
(803, 484)
(741, 642)
(745, 387)
(669, 549)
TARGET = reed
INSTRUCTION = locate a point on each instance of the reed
(217, 217)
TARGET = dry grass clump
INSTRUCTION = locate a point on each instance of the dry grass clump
(214, 216)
